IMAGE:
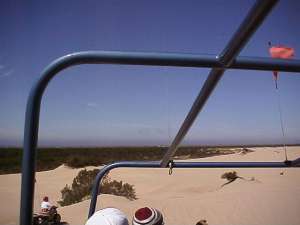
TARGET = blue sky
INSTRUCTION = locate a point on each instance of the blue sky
(96, 105)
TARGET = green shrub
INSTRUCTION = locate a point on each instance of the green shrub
(119, 189)
(50, 158)
(83, 183)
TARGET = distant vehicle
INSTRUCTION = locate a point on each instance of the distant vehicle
(49, 218)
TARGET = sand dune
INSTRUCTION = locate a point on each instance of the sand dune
(188, 195)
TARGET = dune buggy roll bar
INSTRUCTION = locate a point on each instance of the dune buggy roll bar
(226, 60)
(157, 164)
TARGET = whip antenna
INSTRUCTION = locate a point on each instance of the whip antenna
(281, 52)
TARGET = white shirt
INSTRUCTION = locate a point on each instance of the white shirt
(46, 205)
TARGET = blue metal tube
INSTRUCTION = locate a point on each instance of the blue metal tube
(157, 59)
(101, 57)
(252, 21)
(247, 28)
(156, 164)
(128, 58)
(173, 59)
(265, 64)
(34, 101)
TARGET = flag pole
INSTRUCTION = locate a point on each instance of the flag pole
(275, 73)
(281, 123)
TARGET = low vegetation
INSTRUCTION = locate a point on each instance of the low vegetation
(202, 222)
(245, 151)
(82, 186)
(230, 177)
(50, 158)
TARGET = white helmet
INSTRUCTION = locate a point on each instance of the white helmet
(108, 216)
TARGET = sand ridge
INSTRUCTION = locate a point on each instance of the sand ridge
(188, 195)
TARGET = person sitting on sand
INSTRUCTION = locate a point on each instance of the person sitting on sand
(147, 216)
(45, 205)
(108, 216)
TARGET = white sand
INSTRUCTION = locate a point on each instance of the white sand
(186, 196)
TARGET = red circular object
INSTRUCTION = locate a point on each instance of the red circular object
(143, 213)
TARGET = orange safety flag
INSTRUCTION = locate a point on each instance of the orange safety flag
(280, 52)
